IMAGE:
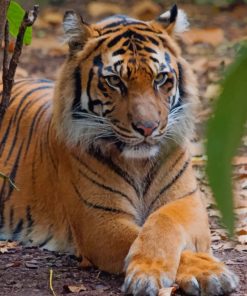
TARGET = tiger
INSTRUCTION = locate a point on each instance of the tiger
(101, 159)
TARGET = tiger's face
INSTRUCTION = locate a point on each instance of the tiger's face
(129, 91)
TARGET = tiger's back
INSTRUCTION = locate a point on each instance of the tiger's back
(25, 157)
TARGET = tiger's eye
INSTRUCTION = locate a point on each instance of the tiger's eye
(113, 80)
(160, 79)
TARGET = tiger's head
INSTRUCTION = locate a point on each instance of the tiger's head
(124, 85)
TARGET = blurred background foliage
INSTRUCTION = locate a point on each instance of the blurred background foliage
(217, 3)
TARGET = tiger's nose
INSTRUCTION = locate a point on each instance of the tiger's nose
(145, 128)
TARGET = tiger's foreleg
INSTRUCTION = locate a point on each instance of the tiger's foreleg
(105, 241)
(158, 258)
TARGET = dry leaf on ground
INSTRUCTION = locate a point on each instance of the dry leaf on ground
(213, 36)
(52, 18)
(74, 289)
(6, 246)
(98, 9)
(146, 10)
(241, 248)
(167, 291)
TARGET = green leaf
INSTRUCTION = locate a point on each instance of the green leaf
(225, 130)
(15, 16)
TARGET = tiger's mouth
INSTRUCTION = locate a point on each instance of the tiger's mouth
(142, 149)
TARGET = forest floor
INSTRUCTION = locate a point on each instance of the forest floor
(210, 45)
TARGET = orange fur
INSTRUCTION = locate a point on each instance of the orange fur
(82, 193)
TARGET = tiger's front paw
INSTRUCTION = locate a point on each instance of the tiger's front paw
(145, 276)
(201, 274)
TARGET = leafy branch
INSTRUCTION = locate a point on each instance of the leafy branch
(9, 67)
(17, 22)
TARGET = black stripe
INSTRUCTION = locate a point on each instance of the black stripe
(11, 217)
(44, 80)
(123, 129)
(110, 31)
(167, 186)
(18, 86)
(124, 20)
(115, 168)
(26, 96)
(118, 63)
(126, 42)
(17, 230)
(108, 111)
(99, 207)
(146, 29)
(90, 78)
(115, 40)
(94, 49)
(24, 110)
(54, 163)
(188, 193)
(36, 119)
(69, 235)
(2, 204)
(153, 40)
(112, 25)
(87, 167)
(49, 238)
(13, 172)
(151, 176)
(4, 139)
(10, 102)
(119, 51)
(30, 220)
(149, 49)
(107, 188)
(76, 106)
(154, 60)
(181, 81)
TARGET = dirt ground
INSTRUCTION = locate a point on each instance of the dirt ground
(212, 43)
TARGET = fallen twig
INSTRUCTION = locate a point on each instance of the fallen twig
(50, 283)
(9, 179)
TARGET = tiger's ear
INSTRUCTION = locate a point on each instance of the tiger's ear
(174, 20)
(77, 32)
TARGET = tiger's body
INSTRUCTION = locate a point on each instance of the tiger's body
(98, 173)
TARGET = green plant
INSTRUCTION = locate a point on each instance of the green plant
(15, 15)
(225, 130)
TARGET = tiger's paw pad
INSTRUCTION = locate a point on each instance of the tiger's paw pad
(146, 277)
(203, 275)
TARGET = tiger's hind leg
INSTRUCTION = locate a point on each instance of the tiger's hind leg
(202, 274)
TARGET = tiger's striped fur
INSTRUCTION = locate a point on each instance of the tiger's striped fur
(101, 158)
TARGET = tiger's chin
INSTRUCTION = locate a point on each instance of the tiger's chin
(141, 151)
